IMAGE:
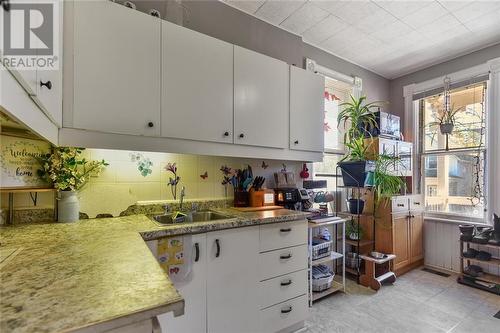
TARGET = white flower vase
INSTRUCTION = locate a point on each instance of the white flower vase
(68, 207)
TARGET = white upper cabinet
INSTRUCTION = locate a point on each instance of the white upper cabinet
(307, 110)
(260, 100)
(116, 69)
(197, 86)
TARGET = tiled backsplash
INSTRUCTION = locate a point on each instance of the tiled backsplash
(123, 184)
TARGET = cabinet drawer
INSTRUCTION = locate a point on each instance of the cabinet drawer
(280, 262)
(280, 289)
(416, 202)
(399, 204)
(281, 235)
(283, 315)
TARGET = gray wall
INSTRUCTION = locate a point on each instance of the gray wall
(224, 22)
(454, 65)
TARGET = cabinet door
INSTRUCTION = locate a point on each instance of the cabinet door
(400, 234)
(416, 236)
(307, 110)
(260, 100)
(49, 87)
(25, 76)
(193, 290)
(232, 280)
(197, 86)
(116, 69)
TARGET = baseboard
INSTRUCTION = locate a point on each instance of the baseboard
(402, 270)
(442, 269)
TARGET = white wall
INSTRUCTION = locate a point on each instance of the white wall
(442, 247)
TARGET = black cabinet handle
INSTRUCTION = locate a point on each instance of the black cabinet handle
(5, 5)
(286, 230)
(416, 203)
(217, 254)
(286, 283)
(197, 252)
(286, 256)
(242, 135)
(296, 142)
(287, 310)
(226, 133)
(151, 124)
(47, 84)
(401, 205)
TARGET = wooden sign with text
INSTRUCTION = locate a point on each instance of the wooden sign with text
(19, 162)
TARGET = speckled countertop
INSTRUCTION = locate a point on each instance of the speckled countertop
(89, 275)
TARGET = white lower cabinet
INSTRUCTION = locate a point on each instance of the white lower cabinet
(192, 289)
(233, 280)
(284, 315)
(225, 291)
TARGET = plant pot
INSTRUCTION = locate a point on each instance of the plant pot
(355, 206)
(68, 206)
(446, 128)
(354, 236)
(357, 173)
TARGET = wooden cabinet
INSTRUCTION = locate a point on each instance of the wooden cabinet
(193, 290)
(197, 86)
(399, 231)
(233, 280)
(116, 76)
(307, 110)
(401, 241)
(260, 100)
(416, 221)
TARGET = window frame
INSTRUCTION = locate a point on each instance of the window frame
(412, 132)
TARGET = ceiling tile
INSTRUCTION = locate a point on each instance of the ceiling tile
(390, 32)
(377, 20)
(276, 11)
(355, 11)
(442, 24)
(476, 9)
(425, 15)
(324, 29)
(401, 9)
(304, 18)
(392, 38)
(329, 5)
(491, 20)
(248, 6)
(453, 5)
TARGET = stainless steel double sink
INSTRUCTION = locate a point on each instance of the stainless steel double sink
(190, 217)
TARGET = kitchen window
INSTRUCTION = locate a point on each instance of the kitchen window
(454, 165)
(336, 92)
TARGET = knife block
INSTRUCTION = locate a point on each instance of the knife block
(241, 199)
(256, 198)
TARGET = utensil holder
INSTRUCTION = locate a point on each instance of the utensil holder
(241, 199)
(256, 198)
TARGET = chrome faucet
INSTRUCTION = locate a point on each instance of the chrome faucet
(167, 209)
(181, 200)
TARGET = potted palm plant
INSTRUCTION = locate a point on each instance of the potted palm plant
(356, 118)
(386, 184)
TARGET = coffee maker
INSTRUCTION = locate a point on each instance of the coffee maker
(290, 198)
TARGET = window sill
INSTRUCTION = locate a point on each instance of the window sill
(454, 219)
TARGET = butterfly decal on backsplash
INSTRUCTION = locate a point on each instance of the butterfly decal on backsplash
(204, 175)
(264, 165)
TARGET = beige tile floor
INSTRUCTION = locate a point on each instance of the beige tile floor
(418, 302)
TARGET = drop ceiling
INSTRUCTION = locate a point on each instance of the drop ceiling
(391, 38)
